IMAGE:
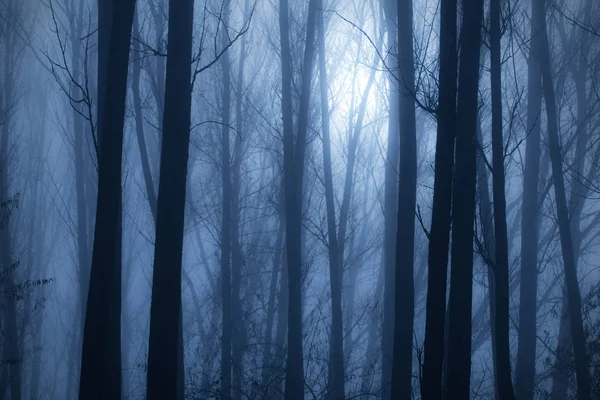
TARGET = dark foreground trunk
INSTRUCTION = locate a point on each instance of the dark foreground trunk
(461, 278)
(504, 390)
(525, 364)
(101, 352)
(165, 310)
(404, 310)
(439, 239)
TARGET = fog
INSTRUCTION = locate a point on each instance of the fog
(321, 199)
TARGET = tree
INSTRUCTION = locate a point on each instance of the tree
(566, 241)
(101, 352)
(165, 310)
(239, 336)
(226, 222)
(577, 45)
(390, 206)
(404, 304)
(439, 237)
(336, 258)
(525, 364)
(12, 342)
(503, 380)
(293, 172)
(463, 200)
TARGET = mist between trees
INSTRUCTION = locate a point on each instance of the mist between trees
(319, 199)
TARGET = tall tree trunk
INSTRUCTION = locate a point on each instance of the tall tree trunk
(566, 239)
(564, 348)
(390, 209)
(101, 352)
(239, 338)
(11, 346)
(525, 364)
(294, 367)
(82, 206)
(293, 171)
(336, 258)
(407, 198)
(503, 380)
(226, 222)
(461, 278)
(149, 184)
(165, 312)
(439, 238)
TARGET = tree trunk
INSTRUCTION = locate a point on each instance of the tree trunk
(439, 238)
(566, 240)
(407, 198)
(503, 380)
(461, 278)
(149, 185)
(580, 191)
(525, 364)
(165, 311)
(226, 222)
(293, 171)
(82, 206)
(390, 210)
(101, 352)
(336, 339)
(11, 346)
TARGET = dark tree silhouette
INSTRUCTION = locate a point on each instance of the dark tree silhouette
(226, 222)
(336, 257)
(463, 200)
(439, 238)
(404, 304)
(165, 310)
(293, 174)
(503, 380)
(525, 364)
(101, 353)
